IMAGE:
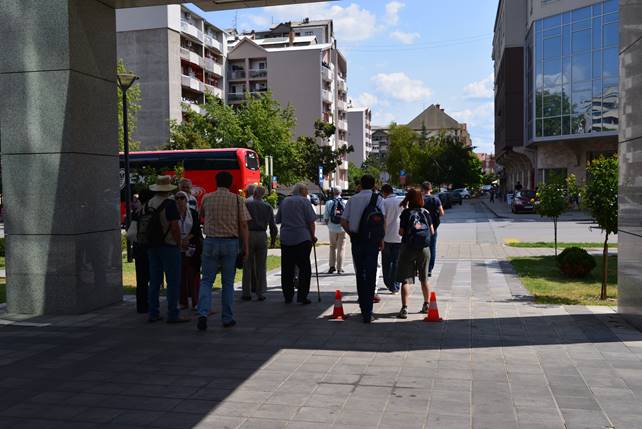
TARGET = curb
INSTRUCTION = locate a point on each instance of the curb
(508, 217)
(493, 211)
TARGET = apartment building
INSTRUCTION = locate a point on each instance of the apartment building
(487, 162)
(359, 134)
(301, 66)
(434, 120)
(179, 56)
(380, 141)
(564, 56)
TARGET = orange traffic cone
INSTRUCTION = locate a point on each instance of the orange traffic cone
(337, 314)
(433, 311)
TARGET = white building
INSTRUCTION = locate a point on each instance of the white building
(359, 134)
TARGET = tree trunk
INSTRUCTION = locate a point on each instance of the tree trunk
(605, 267)
(555, 229)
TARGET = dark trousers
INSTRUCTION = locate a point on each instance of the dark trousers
(433, 252)
(291, 257)
(142, 278)
(364, 258)
(389, 258)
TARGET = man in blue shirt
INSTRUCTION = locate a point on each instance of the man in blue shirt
(334, 209)
(365, 253)
(434, 207)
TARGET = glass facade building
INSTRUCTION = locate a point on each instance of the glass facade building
(572, 71)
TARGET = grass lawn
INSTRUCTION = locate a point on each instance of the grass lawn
(543, 279)
(551, 245)
(129, 274)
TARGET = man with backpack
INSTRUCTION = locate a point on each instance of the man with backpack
(392, 240)
(159, 232)
(436, 210)
(415, 228)
(334, 209)
(364, 222)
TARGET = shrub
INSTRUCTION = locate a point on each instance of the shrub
(575, 262)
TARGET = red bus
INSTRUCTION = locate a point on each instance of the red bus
(200, 166)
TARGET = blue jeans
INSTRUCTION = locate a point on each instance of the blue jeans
(389, 258)
(364, 258)
(433, 252)
(219, 256)
(164, 260)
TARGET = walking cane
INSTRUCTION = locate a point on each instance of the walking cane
(316, 268)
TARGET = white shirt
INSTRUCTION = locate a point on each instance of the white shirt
(355, 207)
(392, 211)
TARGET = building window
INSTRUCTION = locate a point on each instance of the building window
(572, 72)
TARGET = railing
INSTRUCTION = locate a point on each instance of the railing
(187, 104)
(213, 66)
(327, 95)
(213, 90)
(341, 105)
(213, 43)
(235, 96)
(341, 85)
(258, 74)
(192, 57)
(326, 73)
(236, 75)
(258, 91)
(342, 124)
(191, 29)
(192, 83)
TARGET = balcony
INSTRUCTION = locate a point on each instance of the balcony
(258, 74)
(211, 42)
(192, 82)
(341, 105)
(191, 30)
(192, 57)
(341, 85)
(236, 75)
(213, 67)
(233, 97)
(326, 74)
(216, 92)
(327, 96)
(342, 124)
(188, 104)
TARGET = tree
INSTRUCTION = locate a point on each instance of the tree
(312, 155)
(403, 153)
(601, 199)
(133, 106)
(551, 202)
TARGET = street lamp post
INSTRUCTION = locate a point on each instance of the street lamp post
(125, 81)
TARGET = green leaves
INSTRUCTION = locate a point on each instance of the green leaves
(600, 195)
(133, 106)
(552, 200)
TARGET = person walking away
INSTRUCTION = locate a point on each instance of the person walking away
(364, 222)
(255, 270)
(225, 220)
(415, 228)
(436, 210)
(191, 249)
(334, 209)
(185, 185)
(392, 239)
(492, 194)
(159, 231)
(249, 192)
(297, 218)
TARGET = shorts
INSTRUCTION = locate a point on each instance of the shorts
(411, 263)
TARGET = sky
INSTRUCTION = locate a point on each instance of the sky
(404, 55)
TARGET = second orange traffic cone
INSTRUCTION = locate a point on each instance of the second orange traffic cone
(338, 314)
(433, 311)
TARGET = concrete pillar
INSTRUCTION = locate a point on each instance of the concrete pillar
(58, 125)
(630, 152)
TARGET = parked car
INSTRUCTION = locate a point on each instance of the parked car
(455, 197)
(464, 192)
(446, 202)
(486, 188)
(523, 202)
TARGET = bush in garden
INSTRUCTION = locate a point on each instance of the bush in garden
(575, 262)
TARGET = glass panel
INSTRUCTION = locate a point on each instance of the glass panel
(581, 101)
(566, 70)
(610, 63)
(581, 67)
(553, 102)
(566, 125)
(552, 73)
(538, 25)
(610, 6)
(538, 128)
(552, 21)
(611, 17)
(611, 34)
(579, 124)
(581, 41)
(597, 9)
(582, 86)
(597, 64)
(566, 18)
(582, 25)
(552, 48)
(597, 33)
(610, 94)
(566, 100)
(539, 75)
(566, 40)
(597, 89)
(579, 14)
(552, 127)
(538, 47)
(538, 105)
(552, 32)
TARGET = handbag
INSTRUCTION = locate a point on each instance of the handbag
(239, 256)
(132, 231)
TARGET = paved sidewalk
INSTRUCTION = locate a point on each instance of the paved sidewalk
(502, 210)
(497, 361)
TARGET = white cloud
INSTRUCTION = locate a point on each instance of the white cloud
(401, 87)
(480, 89)
(392, 11)
(351, 23)
(382, 118)
(479, 116)
(365, 99)
(259, 22)
(405, 38)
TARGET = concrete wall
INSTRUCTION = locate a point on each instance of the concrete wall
(541, 9)
(147, 53)
(630, 180)
(148, 18)
(356, 136)
(572, 154)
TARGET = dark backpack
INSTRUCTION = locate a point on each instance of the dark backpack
(418, 229)
(337, 211)
(150, 229)
(372, 225)
(430, 203)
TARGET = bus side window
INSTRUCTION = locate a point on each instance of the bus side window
(251, 161)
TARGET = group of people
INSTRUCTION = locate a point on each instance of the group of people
(190, 248)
